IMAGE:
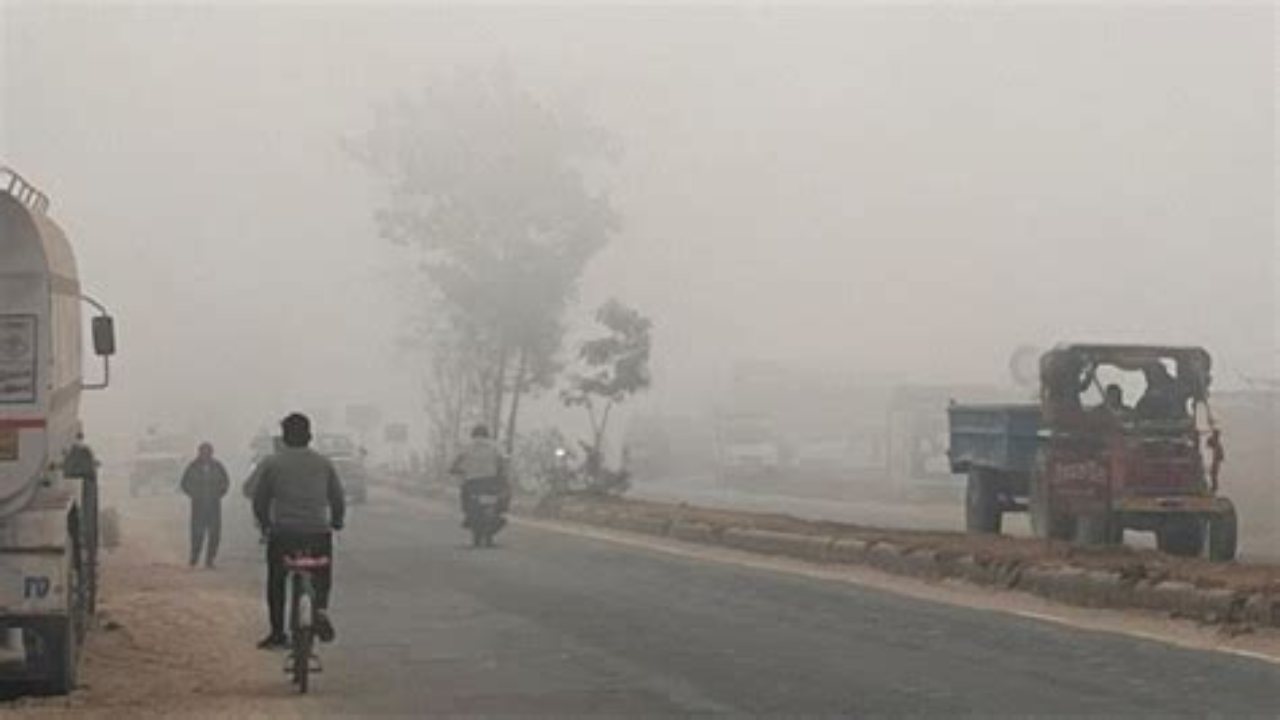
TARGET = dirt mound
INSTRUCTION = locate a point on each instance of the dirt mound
(1132, 563)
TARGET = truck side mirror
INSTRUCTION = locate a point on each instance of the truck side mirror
(104, 335)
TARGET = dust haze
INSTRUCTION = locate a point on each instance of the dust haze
(895, 195)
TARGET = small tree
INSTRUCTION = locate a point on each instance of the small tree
(615, 367)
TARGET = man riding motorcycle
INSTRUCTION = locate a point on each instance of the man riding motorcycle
(482, 466)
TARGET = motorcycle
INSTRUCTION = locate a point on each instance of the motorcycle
(486, 517)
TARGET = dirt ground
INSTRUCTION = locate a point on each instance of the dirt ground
(171, 641)
(1135, 562)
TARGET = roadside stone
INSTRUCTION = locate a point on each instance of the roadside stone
(806, 547)
(885, 556)
(966, 568)
(848, 550)
(1216, 605)
(692, 532)
(1104, 589)
(648, 525)
(922, 563)
(1174, 596)
(1262, 609)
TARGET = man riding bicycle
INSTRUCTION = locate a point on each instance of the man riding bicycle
(298, 502)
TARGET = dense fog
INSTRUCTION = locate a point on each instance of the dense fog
(894, 195)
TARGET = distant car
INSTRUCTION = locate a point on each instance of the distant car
(348, 458)
(156, 472)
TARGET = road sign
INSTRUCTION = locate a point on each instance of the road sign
(396, 433)
(363, 417)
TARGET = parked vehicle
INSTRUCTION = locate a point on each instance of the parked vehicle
(748, 448)
(1088, 465)
(159, 463)
(48, 517)
(917, 465)
(349, 460)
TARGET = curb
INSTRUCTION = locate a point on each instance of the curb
(1061, 583)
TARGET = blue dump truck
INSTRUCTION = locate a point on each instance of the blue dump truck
(1087, 464)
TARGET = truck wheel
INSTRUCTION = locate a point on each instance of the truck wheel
(1181, 536)
(981, 504)
(1222, 537)
(1046, 524)
(57, 647)
(1094, 530)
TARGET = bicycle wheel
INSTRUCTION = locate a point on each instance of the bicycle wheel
(302, 658)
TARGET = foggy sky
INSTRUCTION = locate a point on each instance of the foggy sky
(901, 194)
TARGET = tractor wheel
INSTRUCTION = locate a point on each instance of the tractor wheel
(1223, 530)
(1094, 530)
(1181, 536)
(1045, 523)
(981, 504)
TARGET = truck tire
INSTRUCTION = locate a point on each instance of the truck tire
(982, 504)
(1182, 536)
(1046, 524)
(57, 651)
(1094, 530)
(1223, 531)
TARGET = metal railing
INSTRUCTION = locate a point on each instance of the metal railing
(24, 191)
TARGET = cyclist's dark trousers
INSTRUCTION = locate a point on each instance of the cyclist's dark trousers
(477, 486)
(206, 524)
(281, 544)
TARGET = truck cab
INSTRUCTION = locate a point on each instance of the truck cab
(1123, 437)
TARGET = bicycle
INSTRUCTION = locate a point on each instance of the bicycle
(302, 659)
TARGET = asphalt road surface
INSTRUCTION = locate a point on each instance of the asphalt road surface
(555, 624)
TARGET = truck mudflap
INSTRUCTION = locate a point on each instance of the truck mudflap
(1173, 505)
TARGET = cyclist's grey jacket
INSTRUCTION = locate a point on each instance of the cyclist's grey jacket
(298, 492)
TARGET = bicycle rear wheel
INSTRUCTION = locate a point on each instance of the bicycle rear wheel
(303, 633)
(302, 641)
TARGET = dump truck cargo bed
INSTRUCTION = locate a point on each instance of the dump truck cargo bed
(1002, 438)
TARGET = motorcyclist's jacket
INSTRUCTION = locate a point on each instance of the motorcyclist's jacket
(298, 491)
(479, 460)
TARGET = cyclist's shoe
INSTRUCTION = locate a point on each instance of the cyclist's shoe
(324, 628)
(273, 642)
(498, 524)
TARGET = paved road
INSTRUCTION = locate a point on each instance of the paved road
(557, 624)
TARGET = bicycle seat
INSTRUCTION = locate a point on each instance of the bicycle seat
(305, 562)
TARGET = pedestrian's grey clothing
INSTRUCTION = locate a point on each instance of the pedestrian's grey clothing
(298, 491)
(206, 523)
(480, 459)
(205, 482)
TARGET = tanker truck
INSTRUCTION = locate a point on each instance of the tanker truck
(48, 492)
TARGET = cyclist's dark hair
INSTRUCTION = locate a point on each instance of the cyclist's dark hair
(480, 431)
(295, 430)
